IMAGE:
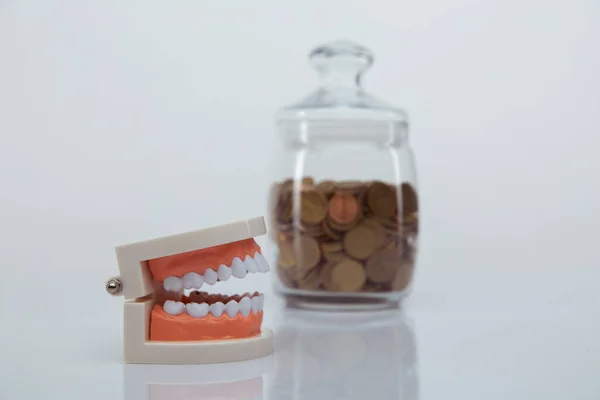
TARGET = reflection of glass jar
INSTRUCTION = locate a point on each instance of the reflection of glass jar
(343, 209)
(357, 355)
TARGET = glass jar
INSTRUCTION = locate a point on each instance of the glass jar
(343, 207)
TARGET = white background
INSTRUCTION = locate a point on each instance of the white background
(126, 120)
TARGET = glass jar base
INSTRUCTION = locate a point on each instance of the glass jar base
(342, 302)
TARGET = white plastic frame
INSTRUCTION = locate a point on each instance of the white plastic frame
(137, 287)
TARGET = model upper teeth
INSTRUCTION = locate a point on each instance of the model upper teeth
(245, 306)
(210, 276)
(238, 268)
(251, 265)
(224, 272)
(172, 284)
(261, 261)
(192, 280)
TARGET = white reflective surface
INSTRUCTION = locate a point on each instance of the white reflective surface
(481, 335)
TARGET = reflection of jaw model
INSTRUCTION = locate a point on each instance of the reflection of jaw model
(238, 381)
(162, 325)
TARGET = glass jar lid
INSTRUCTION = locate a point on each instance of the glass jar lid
(340, 95)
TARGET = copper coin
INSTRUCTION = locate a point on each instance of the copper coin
(313, 206)
(360, 242)
(382, 200)
(382, 265)
(339, 227)
(343, 209)
(348, 276)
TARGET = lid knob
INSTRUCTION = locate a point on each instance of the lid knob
(114, 286)
(341, 63)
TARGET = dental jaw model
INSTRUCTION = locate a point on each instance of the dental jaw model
(163, 325)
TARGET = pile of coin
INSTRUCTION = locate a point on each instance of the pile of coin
(344, 236)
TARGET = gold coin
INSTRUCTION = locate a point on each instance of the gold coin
(311, 281)
(307, 252)
(377, 229)
(381, 199)
(360, 242)
(313, 207)
(286, 258)
(348, 276)
(325, 275)
(326, 187)
(331, 247)
(391, 223)
(382, 265)
(334, 256)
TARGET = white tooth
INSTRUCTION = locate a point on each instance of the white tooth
(263, 265)
(238, 268)
(172, 284)
(173, 307)
(210, 276)
(224, 272)
(245, 305)
(262, 301)
(232, 308)
(217, 308)
(251, 265)
(197, 310)
(192, 280)
(255, 304)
